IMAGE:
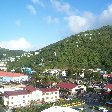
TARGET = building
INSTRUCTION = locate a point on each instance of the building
(3, 66)
(36, 94)
(52, 72)
(14, 77)
(107, 75)
(49, 94)
(3, 89)
(108, 87)
(70, 88)
(18, 98)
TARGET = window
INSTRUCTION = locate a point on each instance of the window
(11, 97)
(43, 93)
(47, 93)
(23, 96)
(47, 98)
(7, 103)
(56, 97)
(23, 101)
(51, 97)
(11, 102)
(55, 92)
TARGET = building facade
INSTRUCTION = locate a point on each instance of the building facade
(14, 77)
(49, 94)
(21, 98)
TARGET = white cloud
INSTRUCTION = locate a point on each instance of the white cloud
(51, 19)
(19, 44)
(18, 23)
(77, 23)
(106, 16)
(62, 7)
(88, 21)
(31, 9)
(38, 2)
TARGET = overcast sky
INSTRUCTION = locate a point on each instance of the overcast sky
(33, 24)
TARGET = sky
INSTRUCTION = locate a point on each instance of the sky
(33, 24)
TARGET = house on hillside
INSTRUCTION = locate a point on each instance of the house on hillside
(3, 66)
(108, 87)
(70, 88)
(52, 72)
(109, 77)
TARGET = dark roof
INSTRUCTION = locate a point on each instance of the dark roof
(109, 86)
(16, 92)
(48, 89)
(30, 88)
(66, 85)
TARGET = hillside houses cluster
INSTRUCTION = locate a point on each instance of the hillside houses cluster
(3, 62)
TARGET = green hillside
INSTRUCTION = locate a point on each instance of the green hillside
(5, 53)
(89, 49)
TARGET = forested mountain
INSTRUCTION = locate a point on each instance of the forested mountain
(89, 49)
(5, 53)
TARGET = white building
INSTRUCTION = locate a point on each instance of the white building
(23, 97)
(14, 77)
(3, 66)
(18, 98)
(64, 73)
(49, 94)
(36, 94)
(52, 72)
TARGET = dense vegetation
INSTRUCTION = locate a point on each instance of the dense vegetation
(89, 49)
(5, 53)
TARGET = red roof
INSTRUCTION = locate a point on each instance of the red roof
(10, 74)
(48, 89)
(109, 86)
(14, 93)
(66, 85)
(109, 75)
(30, 88)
